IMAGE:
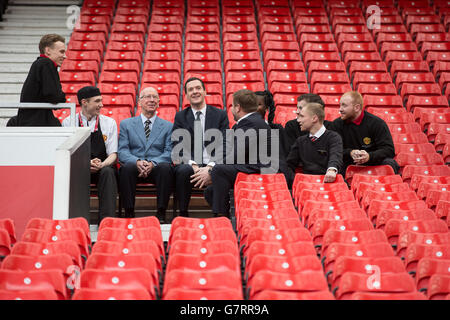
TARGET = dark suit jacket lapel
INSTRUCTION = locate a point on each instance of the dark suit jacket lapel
(189, 120)
(210, 119)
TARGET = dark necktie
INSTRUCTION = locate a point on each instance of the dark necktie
(313, 138)
(147, 128)
(197, 118)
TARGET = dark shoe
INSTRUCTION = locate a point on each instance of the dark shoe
(222, 215)
(161, 215)
(184, 214)
(129, 213)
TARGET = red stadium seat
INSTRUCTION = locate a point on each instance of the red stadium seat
(424, 187)
(428, 267)
(5, 244)
(368, 170)
(201, 280)
(409, 138)
(44, 236)
(190, 294)
(352, 282)
(387, 214)
(383, 101)
(69, 247)
(300, 282)
(416, 252)
(8, 225)
(407, 238)
(42, 294)
(364, 265)
(130, 279)
(395, 227)
(439, 287)
(101, 294)
(433, 170)
(105, 261)
(43, 280)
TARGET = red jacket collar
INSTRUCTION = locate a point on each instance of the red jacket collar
(358, 120)
(44, 56)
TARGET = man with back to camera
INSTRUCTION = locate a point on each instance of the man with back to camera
(208, 117)
(223, 176)
(103, 147)
(43, 84)
(320, 151)
(292, 128)
(366, 138)
(145, 154)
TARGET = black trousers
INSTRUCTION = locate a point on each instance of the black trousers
(161, 176)
(183, 185)
(106, 182)
(217, 194)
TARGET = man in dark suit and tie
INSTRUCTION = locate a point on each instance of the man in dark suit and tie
(206, 117)
(145, 154)
(250, 127)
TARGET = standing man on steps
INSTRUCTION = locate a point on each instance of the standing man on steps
(43, 84)
(145, 154)
(103, 148)
(208, 117)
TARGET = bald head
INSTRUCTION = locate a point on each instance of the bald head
(350, 105)
(148, 101)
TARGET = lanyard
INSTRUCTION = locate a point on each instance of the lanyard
(81, 122)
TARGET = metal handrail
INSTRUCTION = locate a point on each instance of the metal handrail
(39, 105)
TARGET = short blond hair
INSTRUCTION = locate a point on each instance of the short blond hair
(315, 109)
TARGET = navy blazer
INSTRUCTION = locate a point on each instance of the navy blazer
(133, 145)
(256, 122)
(215, 119)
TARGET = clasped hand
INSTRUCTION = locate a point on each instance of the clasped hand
(144, 168)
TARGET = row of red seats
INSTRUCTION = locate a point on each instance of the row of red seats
(203, 261)
(203, 50)
(347, 243)
(126, 261)
(241, 56)
(283, 65)
(415, 232)
(162, 60)
(279, 259)
(45, 262)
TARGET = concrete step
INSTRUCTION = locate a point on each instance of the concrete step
(12, 78)
(19, 57)
(10, 88)
(20, 48)
(14, 68)
(10, 97)
(44, 2)
(12, 40)
(34, 32)
(44, 17)
(37, 23)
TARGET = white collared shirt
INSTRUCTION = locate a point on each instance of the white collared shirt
(243, 117)
(319, 133)
(152, 120)
(108, 126)
(206, 158)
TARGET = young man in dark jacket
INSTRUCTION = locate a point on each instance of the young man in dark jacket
(320, 150)
(43, 84)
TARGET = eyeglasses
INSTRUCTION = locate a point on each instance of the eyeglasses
(154, 97)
